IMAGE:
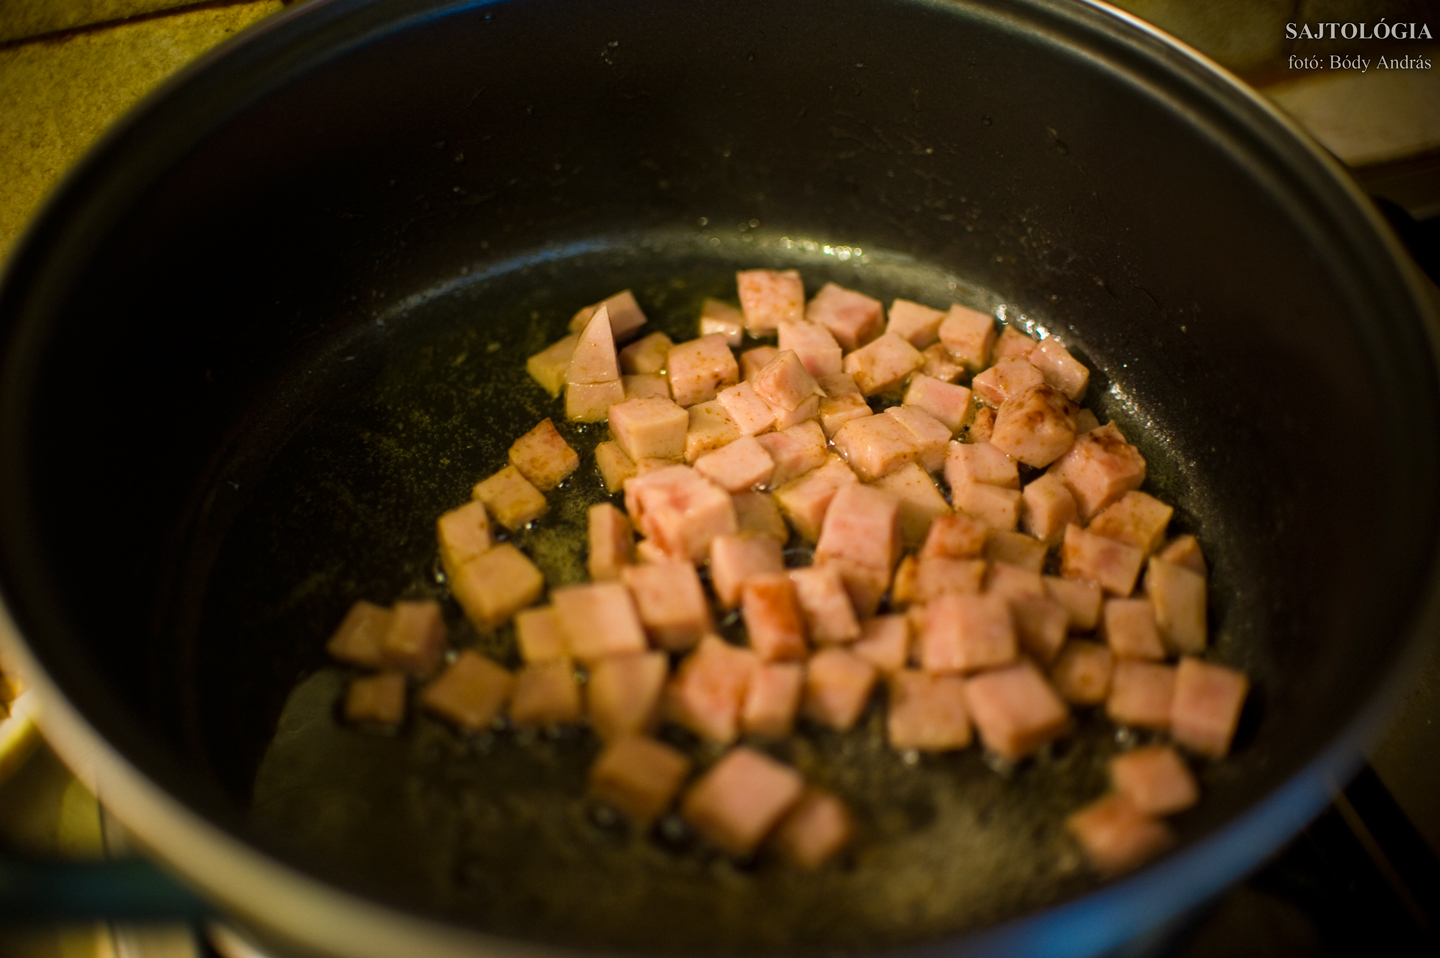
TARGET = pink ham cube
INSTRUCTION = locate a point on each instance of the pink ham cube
(540, 636)
(495, 586)
(754, 360)
(921, 502)
(645, 356)
(638, 776)
(759, 515)
(862, 526)
(852, 318)
(1035, 427)
(376, 700)
(649, 386)
(884, 642)
(599, 619)
(592, 380)
(1006, 380)
(1013, 344)
(804, 501)
(947, 402)
(741, 465)
(768, 297)
(816, 830)
(543, 456)
(589, 402)
(463, 534)
(719, 318)
(1114, 565)
(470, 692)
(939, 364)
(838, 684)
(548, 367)
(980, 462)
(625, 315)
(1136, 519)
(545, 694)
(415, 641)
(795, 451)
(1141, 694)
(710, 428)
(1085, 421)
(927, 712)
(736, 559)
(649, 428)
(751, 414)
(1205, 710)
(1013, 582)
(680, 511)
(1128, 627)
(612, 541)
(1080, 597)
(1015, 549)
(1040, 626)
(968, 336)
(956, 536)
(785, 383)
(967, 633)
(1082, 672)
(1061, 370)
(843, 402)
(1185, 551)
(623, 694)
(772, 699)
(773, 618)
(982, 425)
(1015, 710)
(1179, 598)
(360, 634)
(700, 368)
(875, 446)
(817, 349)
(829, 616)
(1116, 836)
(741, 799)
(615, 466)
(883, 364)
(996, 506)
(1099, 468)
(1155, 780)
(920, 325)
(941, 575)
(710, 687)
(932, 437)
(510, 498)
(671, 603)
(1046, 508)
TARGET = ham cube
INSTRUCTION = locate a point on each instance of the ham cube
(671, 603)
(884, 642)
(759, 515)
(1141, 694)
(861, 526)
(470, 692)
(838, 684)
(1179, 598)
(1015, 549)
(740, 800)
(540, 635)
(817, 349)
(1007, 379)
(946, 402)
(594, 359)
(700, 368)
(710, 688)
(1061, 370)
(463, 534)
(646, 357)
(1080, 597)
(1035, 427)
(919, 325)
(1046, 508)
(941, 575)
(852, 318)
(785, 383)
(623, 694)
(649, 386)
(710, 427)
(982, 425)
(754, 360)
(376, 700)
(1013, 582)
(980, 462)
(927, 712)
(543, 456)
(956, 536)
(415, 640)
(1085, 421)
(967, 633)
(768, 297)
(968, 336)
(590, 402)
(358, 639)
(804, 501)
(773, 618)
(736, 559)
(1114, 565)
(1128, 627)
(1116, 836)
(1013, 344)
(795, 451)
(680, 511)
(1099, 468)
(1206, 707)
(836, 409)
(751, 414)
(1185, 551)
(739, 466)
(1015, 710)
(772, 699)
(615, 466)
(624, 313)
(495, 586)
(905, 586)
(638, 777)
(1155, 780)
(545, 694)
(883, 364)
(612, 541)
(510, 498)
(939, 364)
(816, 830)
(875, 446)
(722, 319)
(829, 616)
(807, 410)
(995, 506)
(1082, 672)
(920, 501)
(599, 619)
(932, 437)
(549, 366)
(1040, 626)
(1135, 519)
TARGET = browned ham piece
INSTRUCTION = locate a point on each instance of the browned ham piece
(543, 456)
(818, 351)
(854, 319)
(914, 322)
(740, 800)
(1116, 836)
(638, 776)
(816, 830)
(700, 368)
(768, 297)
(927, 712)
(838, 684)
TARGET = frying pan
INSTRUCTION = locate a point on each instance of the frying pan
(275, 324)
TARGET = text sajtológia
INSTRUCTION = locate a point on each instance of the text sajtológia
(1334, 30)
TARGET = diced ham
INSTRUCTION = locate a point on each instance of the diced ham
(1099, 468)
(980, 462)
(816, 830)
(1141, 694)
(463, 534)
(1015, 709)
(495, 586)
(1014, 548)
(1179, 598)
(927, 712)
(646, 386)
(861, 526)
(415, 640)
(1013, 582)
(1035, 427)
(1135, 519)
(741, 799)
(754, 360)
(671, 603)
(615, 466)
(939, 364)
(947, 402)
(795, 451)
(1114, 565)
(1005, 380)
(884, 642)
(1085, 421)
(470, 692)
(540, 635)
(838, 684)
(968, 336)
(772, 699)
(854, 319)
(920, 501)
(719, 318)
(1046, 508)
(358, 638)
(545, 694)
(773, 619)
(709, 689)
(735, 559)
(549, 366)
(710, 428)
(805, 500)
(589, 402)
(700, 368)
(680, 511)
(1013, 344)
(376, 699)
(1128, 627)
(599, 619)
(1040, 626)
(737, 467)
(918, 324)
(543, 456)
(957, 536)
(875, 446)
(1185, 551)
(638, 777)
(646, 356)
(593, 364)
(941, 575)
(1116, 836)
(829, 616)
(809, 409)
(966, 633)
(612, 541)
(996, 506)
(838, 408)
(768, 297)
(813, 343)
(758, 514)
(785, 383)
(625, 315)
(623, 694)
(1206, 707)
(1081, 599)
(883, 364)
(510, 498)
(1082, 672)
(1155, 780)
(982, 425)
(1063, 371)
(905, 586)
(932, 437)
(751, 414)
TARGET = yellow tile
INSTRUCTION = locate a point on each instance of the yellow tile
(30, 18)
(57, 96)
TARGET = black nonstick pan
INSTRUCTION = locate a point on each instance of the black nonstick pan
(277, 323)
